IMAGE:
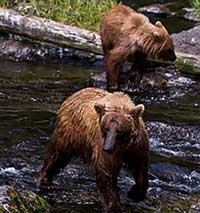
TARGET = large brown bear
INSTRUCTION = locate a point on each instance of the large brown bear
(105, 129)
(128, 35)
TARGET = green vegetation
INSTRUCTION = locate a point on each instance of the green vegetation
(22, 201)
(196, 5)
(81, 13)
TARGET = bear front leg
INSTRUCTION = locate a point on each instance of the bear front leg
(113, 61)
(140, 172)
(107, 185)
(112, 73)
(137, 70)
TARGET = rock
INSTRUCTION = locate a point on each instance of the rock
(170, 9)
(187, 47)
(163, 201)
(16, 48)
(157, 9)
(21, 201)
(190, 14)
(156, 81)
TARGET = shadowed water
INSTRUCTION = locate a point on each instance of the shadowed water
(30, 94)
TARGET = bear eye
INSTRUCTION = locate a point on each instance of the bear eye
(105, 129)
(120, 132)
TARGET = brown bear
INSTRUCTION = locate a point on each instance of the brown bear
(129, 36)
(106, 129)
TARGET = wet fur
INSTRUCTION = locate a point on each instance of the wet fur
(128, 35)
(78, 132)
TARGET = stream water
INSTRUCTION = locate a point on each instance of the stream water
(30, 94)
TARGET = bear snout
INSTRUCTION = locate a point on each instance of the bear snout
(110, 142)
(172, 57)
(168, 55)
(108, 150)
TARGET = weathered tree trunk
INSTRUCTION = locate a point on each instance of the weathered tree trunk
(49, 31)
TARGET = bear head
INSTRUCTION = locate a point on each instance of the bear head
(155, 42)
(118, 127)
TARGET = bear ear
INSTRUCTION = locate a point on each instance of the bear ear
(156, 35)
(100, 108)
(158, 24)
(137, 111)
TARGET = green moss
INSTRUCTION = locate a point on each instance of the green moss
(81, 13)
(196, 5)
(26, 202)
(17, 205)
(188, 67)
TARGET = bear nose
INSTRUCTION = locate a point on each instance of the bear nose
(173, 57)
(108, 150)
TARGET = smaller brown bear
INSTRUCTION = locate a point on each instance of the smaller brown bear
(105, 129)
(128, 35)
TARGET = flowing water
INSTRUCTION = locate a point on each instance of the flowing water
(30, 94)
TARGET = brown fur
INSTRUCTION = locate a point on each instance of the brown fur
(127, 34)
(107, 130)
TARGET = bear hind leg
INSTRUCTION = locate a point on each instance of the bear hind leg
(52, 165)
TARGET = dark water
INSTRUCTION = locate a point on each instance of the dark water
(29, 97)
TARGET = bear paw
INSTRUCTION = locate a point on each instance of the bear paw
(136, 194)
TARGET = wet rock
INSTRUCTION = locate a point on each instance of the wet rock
(160, 83)
(187, 47)
(16, 48)
(188, 41)
(157, 9)
(165, 202)
(190, 14)
(21, 201)
(170, 9)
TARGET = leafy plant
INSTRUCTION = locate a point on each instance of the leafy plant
(81, 13)
(196, 5)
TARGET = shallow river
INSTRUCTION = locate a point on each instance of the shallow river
(30, 94)
(29, 98)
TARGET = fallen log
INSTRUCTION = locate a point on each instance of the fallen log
(189, 62)
(45, 30)
(49, 31)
